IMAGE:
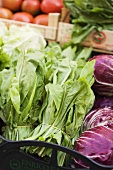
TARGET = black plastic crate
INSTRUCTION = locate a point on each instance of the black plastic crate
(13, 158)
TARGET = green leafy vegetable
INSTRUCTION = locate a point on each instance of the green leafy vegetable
(88, 15)
(65, 105)
(91, 12)
(45, 94)
(23, 84)
(13, 39)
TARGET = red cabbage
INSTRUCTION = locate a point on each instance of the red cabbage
(97, 144)
(103, 102)
(98, 117)
(103, 74)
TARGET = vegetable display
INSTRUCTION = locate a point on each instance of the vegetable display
(44, 92)
(62, 95)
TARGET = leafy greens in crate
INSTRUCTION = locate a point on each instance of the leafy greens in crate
(89, 15)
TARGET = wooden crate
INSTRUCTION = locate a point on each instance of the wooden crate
(100, 41)
(49, 32)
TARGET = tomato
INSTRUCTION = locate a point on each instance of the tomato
(31, 6)
(13, 5)
(5, 13)
(41, 19)
(49, 6)
(23, 16)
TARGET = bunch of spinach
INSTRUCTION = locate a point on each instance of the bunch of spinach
(88, 15)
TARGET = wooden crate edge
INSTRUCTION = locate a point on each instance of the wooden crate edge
(49, 32)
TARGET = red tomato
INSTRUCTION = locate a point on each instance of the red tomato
(5, 13)
(41, 19)
(49, 6)
(31, 6)
(23, 16)
(13, 5)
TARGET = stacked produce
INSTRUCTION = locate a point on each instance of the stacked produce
(30, 11)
